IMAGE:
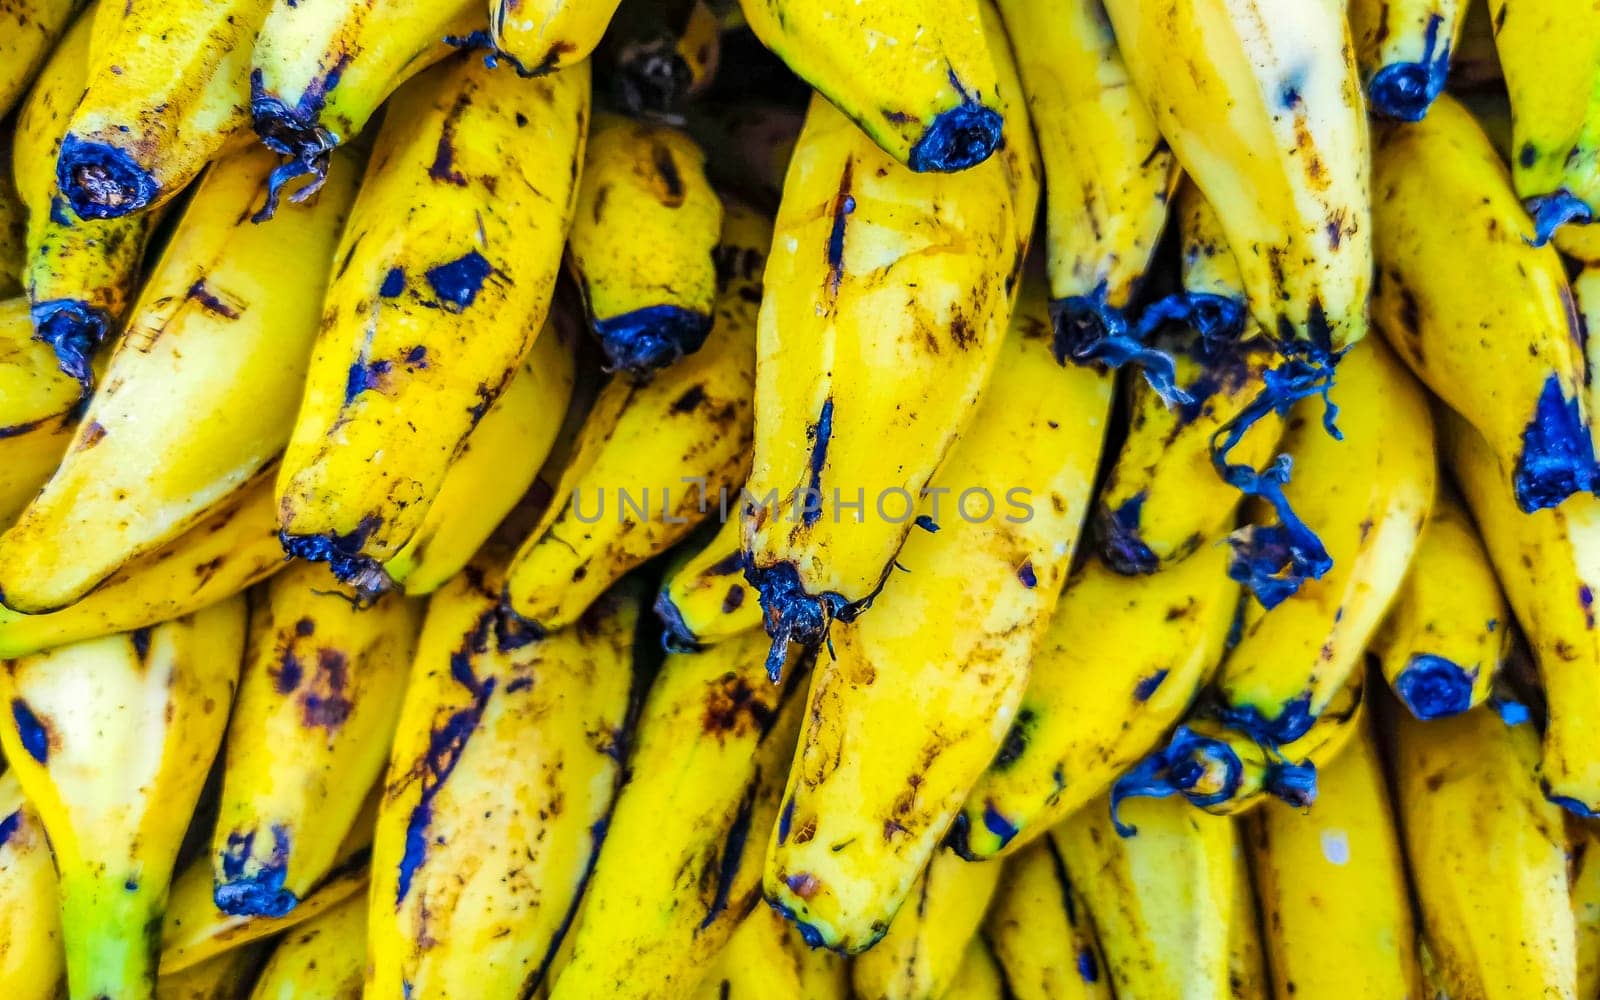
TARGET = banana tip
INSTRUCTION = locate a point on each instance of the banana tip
(1090, 331)
(102, 181)
(1572, 805)
(1121, 546)
(1557, 457)
(646, 340)
(1405, 91)
(1433, 687)
(73, 329)
(344, 557)
(676, 636)
(1552, 211)
(961, 137)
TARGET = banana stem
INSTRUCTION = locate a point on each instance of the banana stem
(1090, 331)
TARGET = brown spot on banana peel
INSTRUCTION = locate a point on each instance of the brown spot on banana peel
(672, 190)
(843, 205)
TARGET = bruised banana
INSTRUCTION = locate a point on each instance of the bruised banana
(29, 30)
(199, 396)
(1403, 49)
(766, 960)
(505, 761)
(707, 599)
(1041, 933)
(1087, 716)
(111, 740)
(1449, 630)
(38, 409)
(318, 699)
(444, 281)
(659, 452)
(922, 948)
(1438, 188)
(543, 36)
(909, 704)
(644, 236)
(681, 863)
(321, 960)
(31, 966)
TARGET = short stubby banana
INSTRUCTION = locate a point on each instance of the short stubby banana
(909, 704)
(643, 237)
(652, 459)
(444, 280)
(1087, 716)
(1487, 857)
(1439, 188)
(1261, 102)
(199, 396)
(1403, 48)
(879, 328)
(1042, 935)
(922, 948)
(29, 30)
(543, 36)
(766, 960)
(507, 755)
(39, 406)
(706, 599)
(31, 967)
(111, 740)
(1449, 630)
(318, 699)
(322, 960)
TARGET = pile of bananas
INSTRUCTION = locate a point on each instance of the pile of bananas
(492, 495)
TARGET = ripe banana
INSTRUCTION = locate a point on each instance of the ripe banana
(706, 599)
(1403, 48)
(922, 948)
(444, 281)
(543, 36)
(321, 960)
(111, 740)
(29, 30)
(644, 235)
(1583, 855)
(1333, 885)
(766, 960)
(38, 409)
(507, 754)
(30, 920)
(318, 699)
(1440, 188)
(980, 976)
(909, 705)
(680, 869)
(1086, 717)
(1487, 856)
(1042, 934)
(652, 459)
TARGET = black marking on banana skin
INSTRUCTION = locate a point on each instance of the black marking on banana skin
(671, 178)
(958, 138)
(245, 890)
(140, 637)
(731, 854)
(102, 181)
(73, 328)
(643, 341)
(457, 283)
(493, 55)
(33, 732)
(296, 133)
(210, 302)
(843, 205)
(676, 636)
(342, 553)
(443, 168)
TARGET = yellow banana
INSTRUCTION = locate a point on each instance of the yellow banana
(910, 704)
(221, 978)
(766, 960)
(443, 284)
(980, 976)
(1449, 630)
(111, 740)
(1247, 963)
(1487, 857)
(507, 754)
(652, 459)
(644, 235)
(707, 599)
(1584, 862)
(318, 699)
(660, 54)
(1086, 717)
(1042, 934)
(1403, 49)
(198, 398)
(1334, 899)
(1440, 188)
(38, 409)
(680, 868)
(30, 922)
(29, 30)
(543, 36)
(321, 960)
(922, 948)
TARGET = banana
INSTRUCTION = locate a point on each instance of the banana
(38, 409)
(1161, 901)
(1087, 716)
(1549, 52)
(505, 761)
(656, 454)
(922, 948)
(318, 699)
(198, 398)
(1439, 188)
(660, 54)
(1247, 964)
(1584, 864)
(1333, 885)
(444, 282)
(221, 978)
(29, 30)
(13, 226)
(707, 599)
(543, 36)
(111, 740)
(1549, 564)
(911, 703)
(320, 69)
(680, 869)
(1487, 857)
(168, 86)
(1042, 934)
(979, 977)
(644, 235)
(1403, 48)
(766, 960)
(1449, 630)
(30, 922)
(321, 960)
(1261, 102)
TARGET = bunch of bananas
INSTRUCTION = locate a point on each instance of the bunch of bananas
(660, 528)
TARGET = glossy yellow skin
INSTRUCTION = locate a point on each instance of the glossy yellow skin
(1018, 154)
(1092, 710)
(221, 978)
(468, 248)
(920, 693)
(653, 459)
(1583, 853)
(1450, 607)
(1367, 498)
(548, 35)
(31, 964)
(198, 398)
(1487, 856)
(922, 949)
(1042, 934)
(1395, 33)
(38, 410)
(318, 700)
(1546, 561)
(1161, 900)
(707, 599)
(1289, 182)
(766, 960)
(979, 976)
(681, 863)
(29, 30)
(485, 834)
(1247, 963)
(1439, 187)
(321, 960)
(123, 732)
(1335, 905)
